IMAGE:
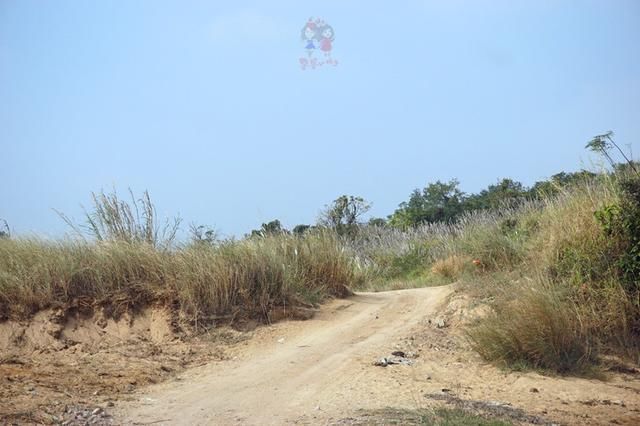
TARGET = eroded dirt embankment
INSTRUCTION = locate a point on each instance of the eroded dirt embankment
(64, 364)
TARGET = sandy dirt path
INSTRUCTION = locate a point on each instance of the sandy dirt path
(321, 371)
(297, 372)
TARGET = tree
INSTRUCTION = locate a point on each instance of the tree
(506, 191)
(603, 144)
(558, 181)
(437, 202)
(202, 234)
(344, 213)
(300, 229)
(270, 228)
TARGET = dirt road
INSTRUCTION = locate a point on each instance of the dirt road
(298, 371)
(321, 371)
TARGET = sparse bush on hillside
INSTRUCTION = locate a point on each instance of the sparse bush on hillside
(437, 202)
(444, 202)
(560, 182)
(506, 192)
(301, 229)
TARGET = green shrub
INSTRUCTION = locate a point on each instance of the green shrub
(621, 224)
(411, 264)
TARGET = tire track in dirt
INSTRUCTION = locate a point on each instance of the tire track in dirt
(299, 370)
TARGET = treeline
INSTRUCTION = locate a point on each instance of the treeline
(436, 202)
(446, 202)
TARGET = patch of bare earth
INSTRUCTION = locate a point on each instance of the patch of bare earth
(72, 368)
(449, 374)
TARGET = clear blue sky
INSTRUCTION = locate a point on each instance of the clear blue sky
(204, 103)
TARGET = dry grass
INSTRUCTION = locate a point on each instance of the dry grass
(452, 267)
(129, 261)
(36, 274)
(564, 305)
(115, 219)
(389, 254)
(248, 277)
(259, 273)
(570, 243)
(547, 269)
(539, 328)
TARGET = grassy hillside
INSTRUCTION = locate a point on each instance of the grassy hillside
(574, 294)
(560, 273)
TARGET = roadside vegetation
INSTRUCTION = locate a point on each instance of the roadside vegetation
(428, 417)
(123, 259)
(572, 295)
(558, 263)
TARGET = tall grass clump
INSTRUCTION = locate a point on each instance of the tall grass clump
(537, 326)
(134, 221)
(244, 278)
(128, 262)
(257, 274)
(36, 274)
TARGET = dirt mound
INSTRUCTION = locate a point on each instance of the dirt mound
(60, 359)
